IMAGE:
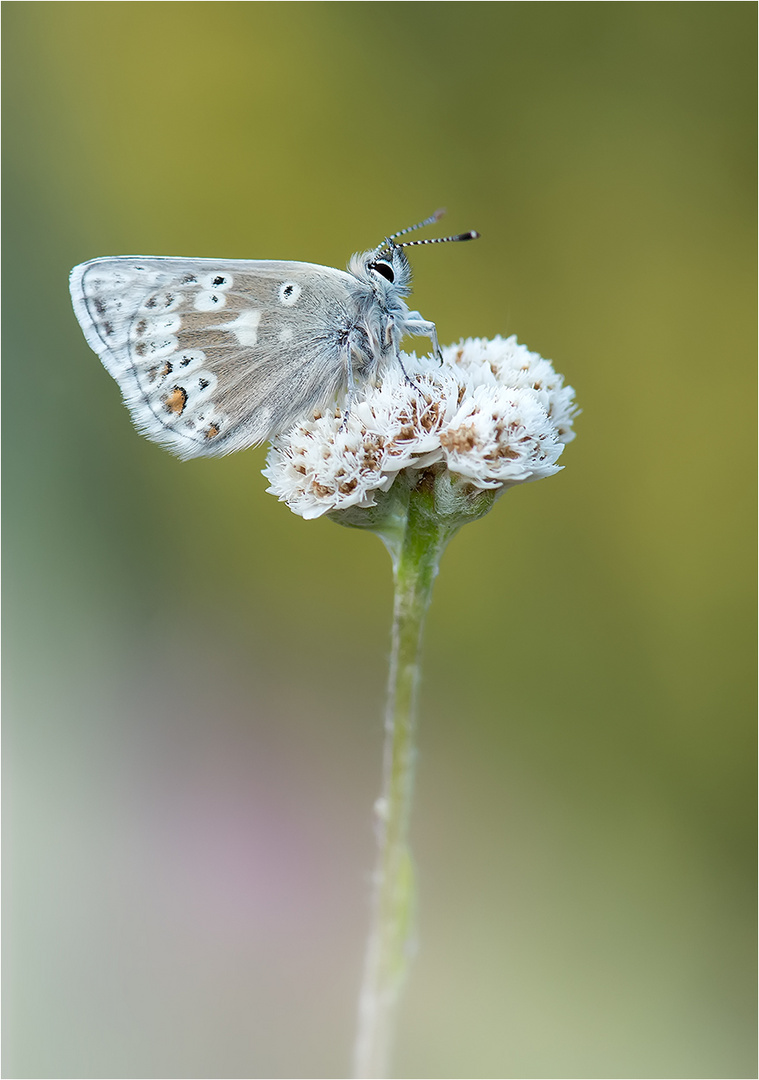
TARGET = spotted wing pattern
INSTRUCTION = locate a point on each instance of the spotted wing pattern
(216, 355)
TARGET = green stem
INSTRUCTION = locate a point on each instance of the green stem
(415, 519)
(416, 551)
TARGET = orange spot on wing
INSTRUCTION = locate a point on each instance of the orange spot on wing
(176, 400)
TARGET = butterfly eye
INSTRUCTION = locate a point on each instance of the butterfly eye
(384, 269)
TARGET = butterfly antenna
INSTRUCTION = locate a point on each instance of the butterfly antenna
(427, 221)
(471, 235)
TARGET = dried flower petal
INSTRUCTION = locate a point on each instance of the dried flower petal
(494, 413)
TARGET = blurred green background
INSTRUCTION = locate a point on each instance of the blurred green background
(194, 676)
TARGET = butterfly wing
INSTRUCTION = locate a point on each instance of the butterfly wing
(215, 355)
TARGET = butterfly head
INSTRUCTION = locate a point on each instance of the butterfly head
(386, 269)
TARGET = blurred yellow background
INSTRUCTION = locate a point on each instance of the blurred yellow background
(194, 676)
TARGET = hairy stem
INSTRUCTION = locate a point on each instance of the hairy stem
(416, 551)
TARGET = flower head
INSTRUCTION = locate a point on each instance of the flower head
(492, 414)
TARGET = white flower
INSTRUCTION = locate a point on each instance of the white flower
(493, 413)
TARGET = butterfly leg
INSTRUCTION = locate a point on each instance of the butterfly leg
(416, 326)
(352, 388)
(406, 375)
(392, 341)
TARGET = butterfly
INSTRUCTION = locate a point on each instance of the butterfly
(216, 355)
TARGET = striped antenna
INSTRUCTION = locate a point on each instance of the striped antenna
(471, 235)
(427, 221)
